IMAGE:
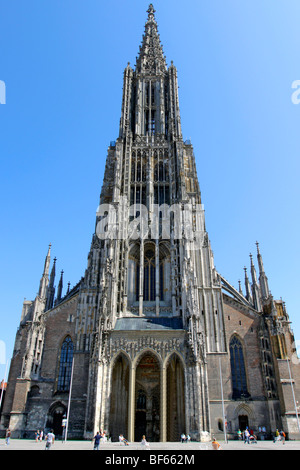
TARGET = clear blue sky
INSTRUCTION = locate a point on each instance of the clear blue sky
(62, 63)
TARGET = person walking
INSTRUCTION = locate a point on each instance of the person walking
(247, 436)
(97, 439)
(7, 437)
(50, 438)
(277, 436)
(282, 436)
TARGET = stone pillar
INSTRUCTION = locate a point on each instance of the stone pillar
(163, 404)
(173, 276)
(141, 293)
(131, 404)
(157, 281)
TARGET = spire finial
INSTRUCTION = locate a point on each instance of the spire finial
(151, 58)
(151, 11)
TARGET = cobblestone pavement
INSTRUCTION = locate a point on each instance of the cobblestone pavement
(167, 447)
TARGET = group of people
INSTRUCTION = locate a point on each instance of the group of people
(49, 438)
(39, 436)
(144, 443)
(185, 438)
(247, 436)
(100, 436)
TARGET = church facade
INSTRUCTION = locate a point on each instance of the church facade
(152, 340)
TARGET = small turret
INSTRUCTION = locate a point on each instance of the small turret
(240, 288)
(45, 277)
(255, 287)
(51, 288)
(248, 287)
(263, 280)
(59, 289)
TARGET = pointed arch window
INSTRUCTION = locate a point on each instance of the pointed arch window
(238, 370)
(149, 275)
(65, 365)
(149, 284)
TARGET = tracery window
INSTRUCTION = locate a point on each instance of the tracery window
(161, 172)
(65, 365)
(238, 371)
(150, 277)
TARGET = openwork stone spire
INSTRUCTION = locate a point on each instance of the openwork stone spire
(151, 59)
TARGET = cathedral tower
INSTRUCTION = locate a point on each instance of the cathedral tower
(152, 330)
(151, 276)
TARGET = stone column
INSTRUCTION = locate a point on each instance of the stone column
(157, 273)
(163, 404)
(141, 293)
(131, 404)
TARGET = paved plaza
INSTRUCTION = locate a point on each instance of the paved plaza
(167, 447)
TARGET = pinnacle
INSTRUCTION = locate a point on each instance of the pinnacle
(151, 58)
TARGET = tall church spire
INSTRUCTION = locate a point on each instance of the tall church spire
(151, 59)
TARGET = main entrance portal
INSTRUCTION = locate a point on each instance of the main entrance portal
(147, 399)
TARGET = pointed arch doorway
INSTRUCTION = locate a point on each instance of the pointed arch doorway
(176, 399)
(119, 398)
(147, 398)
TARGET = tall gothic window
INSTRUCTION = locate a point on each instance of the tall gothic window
(238, 371)
(65, 365)
(149, 276)
(161, 172)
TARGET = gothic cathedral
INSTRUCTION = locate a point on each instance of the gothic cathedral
(152, 340)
